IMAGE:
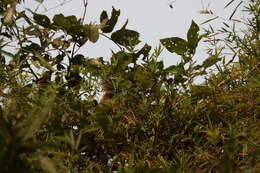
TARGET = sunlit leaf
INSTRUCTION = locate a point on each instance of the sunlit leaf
(8, 15)
(92, 32)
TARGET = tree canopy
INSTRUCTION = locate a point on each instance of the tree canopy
(61, 111)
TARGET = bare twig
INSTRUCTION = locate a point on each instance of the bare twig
(85, 2)
(112, 41)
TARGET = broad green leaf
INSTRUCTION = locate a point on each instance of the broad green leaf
(193, 36)
(144, 51)
(110, 24)
(61, 21)
(42, 20)
(175, 45)
(77, 59)
(73, 20)
(126, 37)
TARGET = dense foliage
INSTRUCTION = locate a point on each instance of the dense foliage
(151, 118)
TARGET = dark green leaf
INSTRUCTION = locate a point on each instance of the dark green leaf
(160, 65)
(77, 60)
(42, 20)
(126, 37)
(73, 79)
(175, 45)
(111, 22)
(144, 51)
(175, 69)
(61, 21)
(60, 67)
(32, 47)
(193, 36)
(72, 20)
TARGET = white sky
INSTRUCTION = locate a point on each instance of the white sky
(153, 19)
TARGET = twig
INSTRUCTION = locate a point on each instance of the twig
(112, 41)
(31, 70)
(85, 2)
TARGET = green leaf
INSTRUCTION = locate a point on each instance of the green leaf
(175, 45)
(121, 60)
(126, 37)
(193, 36)
(77, 60)
(110, 24)
(92, 32)
(235, 10)
(60, 67)
(72, 20)
(61, 21)
(42, 20)
(210, 61)
(207, 21)
(32, 47)
(144, 51)
(229, 3)
(175, 69)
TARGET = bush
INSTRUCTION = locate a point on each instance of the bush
(150, 118)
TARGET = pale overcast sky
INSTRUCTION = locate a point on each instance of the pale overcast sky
(153, 19)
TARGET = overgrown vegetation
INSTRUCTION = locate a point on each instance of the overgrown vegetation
(150, 119)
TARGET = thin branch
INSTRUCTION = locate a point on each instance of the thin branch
(122, 49)
(85, 2)
(31, 70)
